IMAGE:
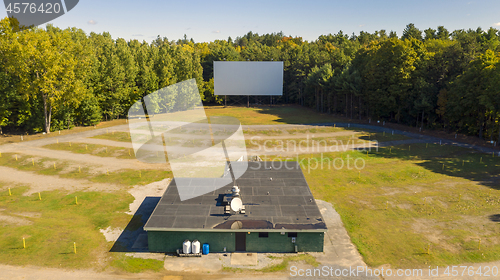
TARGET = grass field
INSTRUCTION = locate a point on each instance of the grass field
(271, 115)
(93, 149)
(404, 200)
(11, 138)
(115, 136)
(294, 144)
(409, 206)
(45, 166)
(53, 226)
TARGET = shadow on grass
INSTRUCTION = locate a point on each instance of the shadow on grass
(134, 238)
(450, 161)
(495, 218)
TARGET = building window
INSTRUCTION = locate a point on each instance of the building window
(292, 234)
(263, 234)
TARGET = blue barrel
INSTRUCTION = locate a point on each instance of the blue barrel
(206, 249)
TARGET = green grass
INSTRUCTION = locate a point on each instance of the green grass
(115, 136)
(286, 260)
(271, 115)
(306, 258)
(135, 265)
(57, 222)
(93, 149)
(381, 137)
(131, 177)
(319, 129)
(45, 166)
(403, 200)
(358, 138)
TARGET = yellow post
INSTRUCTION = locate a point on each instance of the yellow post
(106, 150)
(70, 143)
(57, 140)
(39, 196)
(426, 145)
(74, 246)
(107, 171)
(386, 205)
(76, 200)
(16, 157)
(10, 194)
(33, 161)
(86, 147)
(24, 243)
(479, 245)
(129, 152)
(334, 125)
(0, 154)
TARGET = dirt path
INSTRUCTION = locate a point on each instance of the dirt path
(105, 163)
(9, 272)
(39, 183)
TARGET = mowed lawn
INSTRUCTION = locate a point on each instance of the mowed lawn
(290, 114)
(52, 226)
(411, 200)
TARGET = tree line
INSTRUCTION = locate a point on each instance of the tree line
(54, 79)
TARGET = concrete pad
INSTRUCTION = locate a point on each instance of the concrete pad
(206, 263)
(338, 248)
(244, 259)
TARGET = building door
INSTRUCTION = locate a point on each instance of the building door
(241, 242)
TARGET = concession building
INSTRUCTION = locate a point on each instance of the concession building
(271, 209)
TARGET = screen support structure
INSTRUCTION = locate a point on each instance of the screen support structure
(228, 162)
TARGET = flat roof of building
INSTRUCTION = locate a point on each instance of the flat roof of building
(284, 203)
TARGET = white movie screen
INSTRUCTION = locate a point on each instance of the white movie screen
(248, 77)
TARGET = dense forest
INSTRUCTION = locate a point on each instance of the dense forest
(54, 79)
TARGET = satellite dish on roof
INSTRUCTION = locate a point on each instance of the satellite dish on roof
(236, 204)
(237, 225)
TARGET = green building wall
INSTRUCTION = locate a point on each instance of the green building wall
(170, 241)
